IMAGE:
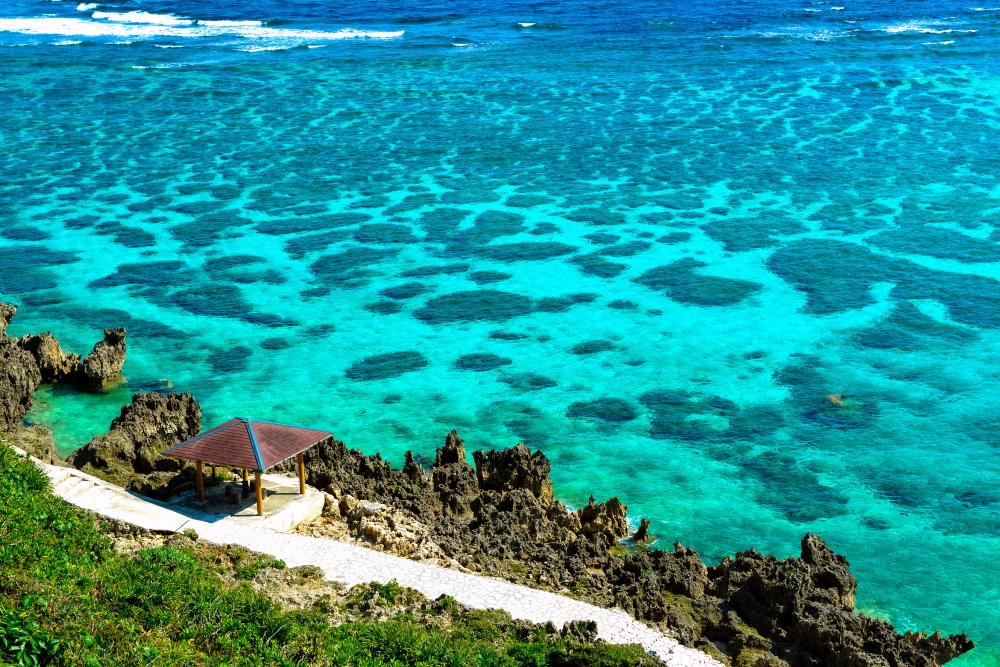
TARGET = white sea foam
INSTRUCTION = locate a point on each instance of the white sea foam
(836, 9)
(916, 27)
(257, 49)
(142, 17)
(526, 25)
(168, 46)
(459, 44)
(74, 27)
(87, 7)
(231, 24)
(950, 41)
(67, 42)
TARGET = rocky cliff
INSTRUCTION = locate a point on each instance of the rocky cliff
(129, 454)
(500, 518)
(28, 361)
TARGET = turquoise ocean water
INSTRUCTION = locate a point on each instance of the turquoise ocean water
(735, 263)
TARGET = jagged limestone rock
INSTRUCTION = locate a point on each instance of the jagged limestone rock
(129, 454)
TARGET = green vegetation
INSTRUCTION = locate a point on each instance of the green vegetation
(68, 598)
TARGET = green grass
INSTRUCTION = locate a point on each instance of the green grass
(67, 598)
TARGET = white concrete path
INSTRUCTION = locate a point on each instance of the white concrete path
(351, 564)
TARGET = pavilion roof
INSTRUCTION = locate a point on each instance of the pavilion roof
(247, 443)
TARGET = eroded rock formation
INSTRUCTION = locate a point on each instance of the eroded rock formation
(28, 361)
(19, 375)
(500, 518)
(129, 454)
(104, 364)
(54, 364)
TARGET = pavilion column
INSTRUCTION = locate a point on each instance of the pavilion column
(199, 481)
(246, 483)
(302, 473)
(260, 494)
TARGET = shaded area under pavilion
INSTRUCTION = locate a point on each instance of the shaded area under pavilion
(249, 445)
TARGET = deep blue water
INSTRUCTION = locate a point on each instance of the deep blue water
(733, 262)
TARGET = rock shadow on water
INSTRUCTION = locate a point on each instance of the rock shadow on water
(558, 304)
(837, 276)
(438, 270)
(213, 299)
(488, 277)
(593, 215)
(342, 268)
(481, 362)
(629, 249)
(907, 329)
(743, 234)
(508, 335)
(148, 274)
(820, 400)
(608, 410)
(602, 238)
(681, 282)
(322, 223)
(385, 366)
(723, 431)
(26, 268)
(525, 382)
(592, 347)
(300, 246)
(936, 242)
(674, 238)
(275, 343)
(594, 265)
(384, 233)
(474, 305)
(232, 360)
(405, 291)
(384, 307)
(24, 233)
(525, 251)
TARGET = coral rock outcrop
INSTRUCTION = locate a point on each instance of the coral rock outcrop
(500, 518)
(104, 364)
(129, 454)
(54, 364)
(19, 374)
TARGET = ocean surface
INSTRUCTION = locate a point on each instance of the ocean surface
(735, 263)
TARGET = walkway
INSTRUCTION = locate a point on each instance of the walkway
(351, 564)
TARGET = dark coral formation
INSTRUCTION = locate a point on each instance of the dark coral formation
(501, 518)
(104, 364)
(19, 375)
(129, 454)
(28, 361)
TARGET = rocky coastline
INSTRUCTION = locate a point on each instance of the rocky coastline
(500, 517)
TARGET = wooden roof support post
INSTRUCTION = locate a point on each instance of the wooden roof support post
(246, 483)
(302, 473)
(260, 494)
(199, 481)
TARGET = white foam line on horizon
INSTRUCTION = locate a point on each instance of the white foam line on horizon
(142, 17)
(87, 28)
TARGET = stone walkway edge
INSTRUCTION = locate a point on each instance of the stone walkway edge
(351, 564)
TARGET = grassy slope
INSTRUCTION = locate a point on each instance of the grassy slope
(68, 598)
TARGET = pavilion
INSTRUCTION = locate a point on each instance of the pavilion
(250, 445)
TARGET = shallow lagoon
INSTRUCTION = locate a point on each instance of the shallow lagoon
(736, 266)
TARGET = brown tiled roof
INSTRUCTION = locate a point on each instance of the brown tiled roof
(245, 443)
